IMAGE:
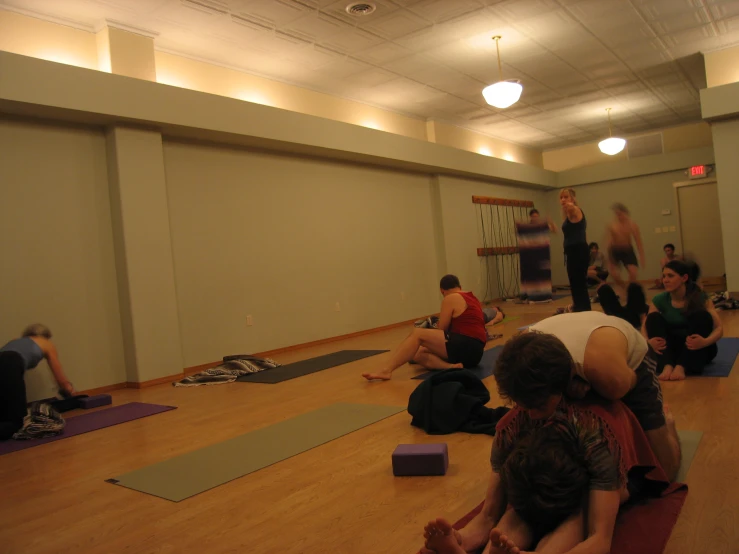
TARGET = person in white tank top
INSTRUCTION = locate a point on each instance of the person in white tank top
(575, 330)
(608, 357)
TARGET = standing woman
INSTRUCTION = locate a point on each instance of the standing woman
(577, 252)
(682, 325)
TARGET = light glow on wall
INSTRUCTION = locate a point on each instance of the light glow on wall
(255, 97)
(485, 151)
(371, 124)
(60, 57)
(171, 80)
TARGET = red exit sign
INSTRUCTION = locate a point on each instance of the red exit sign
(697, 171)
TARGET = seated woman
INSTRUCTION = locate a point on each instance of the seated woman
(561, 469)
(597, 272)
(682, 325)
(17, 357)
(457, 341)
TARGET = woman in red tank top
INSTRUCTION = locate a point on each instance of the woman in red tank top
(458, 340)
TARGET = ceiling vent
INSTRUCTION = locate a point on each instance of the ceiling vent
(645, 145)
(360, 9)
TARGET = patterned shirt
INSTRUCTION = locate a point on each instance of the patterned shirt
(596, 441)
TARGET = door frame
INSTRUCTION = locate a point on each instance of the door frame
(676, 186)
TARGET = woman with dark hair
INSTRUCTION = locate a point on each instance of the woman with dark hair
(682, 325)
(577, 253)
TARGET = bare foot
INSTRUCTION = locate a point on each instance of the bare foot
(441, 538)
(456, 366)
(379, 376)
(678, 374)
(501, 542)
(666, 373)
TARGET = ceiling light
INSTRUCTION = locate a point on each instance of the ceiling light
(503, 93)
(612, 145)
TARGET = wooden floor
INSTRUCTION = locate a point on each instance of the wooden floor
(338, 498)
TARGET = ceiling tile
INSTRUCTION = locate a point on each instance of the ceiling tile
(276, 12)
(518, 10)
(439, 11)
(338, 10)
(728, 8)
(681, 22)
(385, 52)
(316, 25)
(371, 77)
(397, 24)
(411, 64)
(351, 41)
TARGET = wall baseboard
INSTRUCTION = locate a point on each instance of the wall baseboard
(154, 382)
(268, 353)
(107, 388)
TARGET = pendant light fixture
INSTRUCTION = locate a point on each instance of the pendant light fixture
(612, 145)
(502, 94)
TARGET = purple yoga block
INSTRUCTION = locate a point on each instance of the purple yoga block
(420, 459)
(95, 401)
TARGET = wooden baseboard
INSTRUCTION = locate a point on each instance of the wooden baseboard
(269, 353)
(154, 382)
(102, 390)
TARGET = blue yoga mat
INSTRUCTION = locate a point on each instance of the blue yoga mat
(723, 362)
(559, 296)
(485, 368)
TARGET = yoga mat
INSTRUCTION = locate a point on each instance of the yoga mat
(91, 422)
(645, 528)
(559, 296)
(689, 441)
(189, 474)
(306, 367)
(728, 348)
(485, 368)
(640, 528)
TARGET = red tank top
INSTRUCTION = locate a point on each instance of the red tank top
(470, 322)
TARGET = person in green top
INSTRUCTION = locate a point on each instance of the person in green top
(682, 325)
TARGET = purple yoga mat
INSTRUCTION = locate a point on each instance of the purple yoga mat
(91, 422)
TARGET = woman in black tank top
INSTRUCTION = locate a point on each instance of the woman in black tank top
(577, 253)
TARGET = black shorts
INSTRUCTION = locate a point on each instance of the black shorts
(461, 349)
(624, 255)
(645, 399)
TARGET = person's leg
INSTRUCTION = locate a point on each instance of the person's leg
(433, 339)
(694, 361)
(657, 327)
(577, 271)
(610, 302)
(633, 271)
(567, 536)
(425, 358)
(614, 268)
(12, 394)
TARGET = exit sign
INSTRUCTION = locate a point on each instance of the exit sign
(698, 172)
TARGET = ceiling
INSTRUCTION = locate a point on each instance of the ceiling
(432, 58)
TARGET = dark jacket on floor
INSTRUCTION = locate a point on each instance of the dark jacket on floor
(453, 400)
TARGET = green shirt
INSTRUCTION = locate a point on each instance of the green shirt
(675, 317)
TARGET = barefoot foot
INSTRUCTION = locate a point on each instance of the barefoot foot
(678, 374)
(441, 538)
(456, 366)
(501, 542)
(379, 376)
(666, 373)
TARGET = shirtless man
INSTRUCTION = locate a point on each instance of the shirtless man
(620, 249)
(457, 341)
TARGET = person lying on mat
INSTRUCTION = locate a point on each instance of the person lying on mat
(17, 357)
(556, 463)
(458, 340)
(611, 356)
(682, 325)
(493, 315)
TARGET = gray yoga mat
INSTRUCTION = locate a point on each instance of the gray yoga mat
(484, 369)
(306, 367)
(689, 441)
(195, 472)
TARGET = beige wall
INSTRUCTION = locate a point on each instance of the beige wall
(722, 67)
(451, 135)
(129, 54)
(57, 248)
(674, 139)
(463, 233)
(645, 197)
(40, 39)
(284, 239)
(726, 139)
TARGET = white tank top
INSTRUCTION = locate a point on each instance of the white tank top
(574, 330)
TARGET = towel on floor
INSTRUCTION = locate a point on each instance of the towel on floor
(453, 400)
(228, 371)
(41, 421)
